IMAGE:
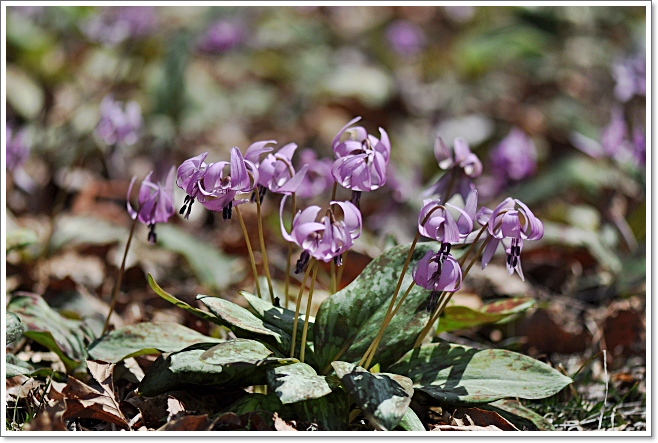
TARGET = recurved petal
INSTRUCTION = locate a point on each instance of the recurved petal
(442, 152)
(451, 276)
(351, 218)
(254, 151)
(336, 140)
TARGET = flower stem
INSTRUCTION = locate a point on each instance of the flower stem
(289, 260)
(302, 352)
(333, 192)
(395, 295)
(298, 307)
(262, 247)
(251, 252)
(470, 248)
(117, 286)
(341, 268)
(332, 271)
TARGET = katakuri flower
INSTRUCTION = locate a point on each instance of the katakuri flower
(515, 157)
(277, 174)
(156, 202)
(120, 123)
(461, 166)
(438, 272)
(190, 173)
(437, 222)
(114, 25)
(511, 222)
(324, 240)
(361, 160)
(405, 37)
(223, 181)
(318, 178)
(18, 149)
(222, 36)
(630, 76)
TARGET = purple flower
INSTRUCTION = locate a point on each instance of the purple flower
(222, 181)
(515, 157)
(512, 222)
(438, 272)
(360, 160)
(113, 25)
(437, 222)
(222, 36)
(630, 76)
(640, 144)
(318, 178)
(277, 173)
(462, 167)
(18, 149)
(405, 37)
(156, 202)
(324, 240)
(119, 123)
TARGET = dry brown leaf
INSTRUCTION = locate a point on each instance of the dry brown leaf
(82, 401)
(188, 423)
(482, 418)
(281, 425)
(464, 428)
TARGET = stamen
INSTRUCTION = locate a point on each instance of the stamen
(302, 263)
(339, 260)
(356, 199)
(152, 237)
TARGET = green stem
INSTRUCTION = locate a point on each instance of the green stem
(298, 307)
(333, 192)
(395, 294)
(332, 271)
(302, 352)
(341, 268)
(117, 286)
(262, 247)
(249, 250)
(470, 248)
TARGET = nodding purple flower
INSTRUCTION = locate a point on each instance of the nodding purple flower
(438, 272)
(318, 177)
(511, 222)
(515, 157)
(405, 37)
(156, 202)
(630, 76)
(190, 173)
(437, 222)
(18, 149)
(219, 187)
(461, 166)
(114, 25)
(222, 36)
(277, 174)
(120, 123)
(361, 160)
(324, 240)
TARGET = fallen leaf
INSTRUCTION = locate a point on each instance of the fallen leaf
(281, 425)
(188, 423)
(175, 408)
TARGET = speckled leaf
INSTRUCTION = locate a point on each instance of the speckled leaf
(297, 382)
(239, 350)
(14, 327)
(181, 304)
(411, 422)
(145, 338)
(278, 316)
(184, 368)
(45, 326)
(353, 316)
(461, 317)
(462, 375)
(383, 398)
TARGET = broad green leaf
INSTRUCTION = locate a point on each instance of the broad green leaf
(235, 351)
(278, 316)
(14, 370)
(256, 402)
(18, 366)
(411, 422)
(461, 317)
(181, 304)
(459, 374)
(331, 411)
(145, 338)
(520, 416)
(14, 327)
(351, 318)
(184, 368)
(210, 265)
(44, 325)
(383, 398)
(297, 382)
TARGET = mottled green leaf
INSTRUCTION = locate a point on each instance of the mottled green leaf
(352, 317)
(211, 266)
(13, 326)
(44, 325)
(181, 304)
(383, 398)
(145, 338)
(297, 382)
(278, 316)
(459, 374)
(411, 422)
(184, 368)
(234, 351)
(520, 416)
(461, 317)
